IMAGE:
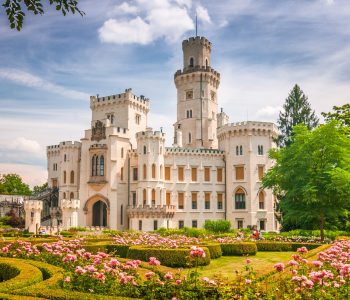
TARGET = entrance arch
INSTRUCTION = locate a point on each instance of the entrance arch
(99, 214)
(97, 211)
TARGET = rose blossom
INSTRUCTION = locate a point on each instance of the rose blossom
(279, 267)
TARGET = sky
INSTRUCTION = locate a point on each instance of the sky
(260, 47)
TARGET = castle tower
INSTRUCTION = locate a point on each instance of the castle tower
(197, 106)
(33, 210)
(69, 210)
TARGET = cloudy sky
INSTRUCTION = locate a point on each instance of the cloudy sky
(260, 47)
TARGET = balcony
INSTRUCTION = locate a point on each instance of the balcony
(151, 211)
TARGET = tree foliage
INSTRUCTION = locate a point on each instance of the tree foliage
(296, 110)
(339, 113)
(39, 188)
(311, 177)
(12, 184)
(15, 9)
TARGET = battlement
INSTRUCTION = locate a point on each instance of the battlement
(33, 205)
(70, 204)
(193, 69)
(96, 101)
(149, 133)
(193, 151)
(255, 127)
(198, 40)
(70, 144)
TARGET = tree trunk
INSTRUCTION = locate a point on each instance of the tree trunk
(322, 221)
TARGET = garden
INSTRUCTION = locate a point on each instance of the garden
(174, 264)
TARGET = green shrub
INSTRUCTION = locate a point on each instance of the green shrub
(217, 226)
(120, 250)
(238, 249)
(214, 249)
(77, 229)
(7, 271)
(283, 247)
(175, 258)
(66, 233)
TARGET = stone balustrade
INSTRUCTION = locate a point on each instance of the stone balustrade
(151, 211)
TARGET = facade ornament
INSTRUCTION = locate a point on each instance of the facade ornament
(98, 131)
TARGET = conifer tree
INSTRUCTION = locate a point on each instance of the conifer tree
(296, 110)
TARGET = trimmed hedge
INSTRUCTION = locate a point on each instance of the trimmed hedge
(284, 246)
(239, 249)
(214, 249)
(7, 272)
(175, 258)
(116, 249)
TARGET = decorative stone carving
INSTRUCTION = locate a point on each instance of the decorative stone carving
(98, 131)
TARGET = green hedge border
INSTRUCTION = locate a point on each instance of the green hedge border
(239, 249)
(214, 249)
(284, 246)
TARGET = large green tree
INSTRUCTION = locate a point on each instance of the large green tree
(296, 110)
(39, 188)
(12, 184)
(311, 177)
(15, 9)
(339, 113)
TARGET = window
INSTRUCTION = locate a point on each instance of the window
(191, 62)
(180, 199)
(134, 171)
(153, 197)
(167, 173)
(189, 95)
(260, 150)
(207, 201)
(239, 173)
(260, 172)
(189, 114)
(122, 174)
(64, 176)
(72, 177)
(133, 198)
(241, 150)
(94, 165)
(161, 172)
(219, 174)
(144, 150)
(102, 166)
(110, 117)
(140, 224)
(206, 63)
(261, 200)
(189, 138)
(219, 200)
(64, 195)
(144, 171)
(262, 224)
(137, 119)
(122, 152)
(180, 171)
(168, 198)
(194, 224)
(240, 199)
(194, 174)
(153, 171)
(155, 224)
(144, 196)
(121, 214)
(71, 196)
(239, 224)
(194, 200)
(181, 224)
(207, 174)
(237, 150)
(65, 157)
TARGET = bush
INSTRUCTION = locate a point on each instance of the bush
(238, 249)
(217, 226)
(331, 234)
(283, 247)
(175, 258)
(214, 249)
(7, 272)
(120, 250)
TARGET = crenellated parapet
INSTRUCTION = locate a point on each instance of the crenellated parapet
(33, 205)
(150, 134)
(151, 211)
(73, 204)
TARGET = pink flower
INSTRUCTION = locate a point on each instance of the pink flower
(248, 281)
(279, 267)
(168, 276)
(148, 275)
(302, 250)
(178, 281)
(153, 261)
(248, 261)
(292, 263)
(197, 252)
(317, 263)
(67, 279)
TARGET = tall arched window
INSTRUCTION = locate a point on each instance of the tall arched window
(153, 197)
(240, 199)
(144, 150)
(161, 172)
(93, 165)
(122, 152)
(153, 171)
(71, 196)
(64, 195)
(72, 177)
(65, 157)
(237, 150)
(191, 62)
(121, 214)
(122, 174)
(64, 176)
(144, 171)
(144, 196)
(261, 200)
(241, 150)
(206, 63)
(189, 138)
(102, 166)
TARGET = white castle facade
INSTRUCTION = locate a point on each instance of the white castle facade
(122, 176)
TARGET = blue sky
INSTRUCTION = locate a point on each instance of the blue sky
(260, 47)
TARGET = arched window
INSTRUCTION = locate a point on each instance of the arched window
(64, 176)
(64, 195)
(240, 199)
(122, 153)
(71, 196)
(161, 172)
(102, 166)
(144, 150)
(72, 177)
(144, 196)
(153, 197)
(237, 150)
(261, 200)
(144, 171)
(153, 171)
(93, 165)
(191, 62)
(121, 214)
(65, 157)
(260, 150)
(241, 150)
(122, 174)
(189, 138)
(206, 63)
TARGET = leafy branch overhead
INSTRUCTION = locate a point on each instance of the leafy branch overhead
(15, 9)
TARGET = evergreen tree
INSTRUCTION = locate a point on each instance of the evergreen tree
(296, 110)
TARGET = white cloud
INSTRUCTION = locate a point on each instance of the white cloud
(203, 14)
(124, 8)
(269, 112)
(32, 81)
(156, 19)
(25, 145)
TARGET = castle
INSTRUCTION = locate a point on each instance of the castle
(122, 176)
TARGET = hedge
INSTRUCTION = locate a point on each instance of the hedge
(116, 249)
(238, 249)
(214, 249)
(175, 258)
(284, 246)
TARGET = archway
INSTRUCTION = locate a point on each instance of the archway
(99, 214)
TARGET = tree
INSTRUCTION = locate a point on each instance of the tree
(39, 188)
(15, 12)
(12, 184)
(296, 110)
(341, 114)
(311, 177)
